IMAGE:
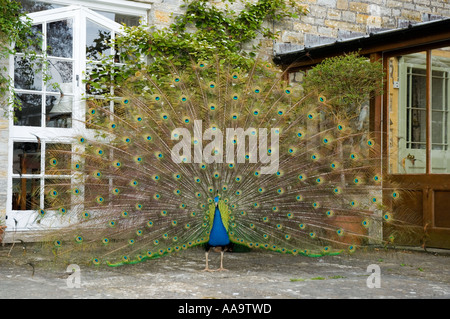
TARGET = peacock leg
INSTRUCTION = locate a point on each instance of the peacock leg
(221, 263)
(207, 267)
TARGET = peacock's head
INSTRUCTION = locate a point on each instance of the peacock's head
(216, 200)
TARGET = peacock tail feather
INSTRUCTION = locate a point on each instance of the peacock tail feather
(293, 172)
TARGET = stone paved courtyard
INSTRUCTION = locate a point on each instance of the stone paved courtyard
(404, 274)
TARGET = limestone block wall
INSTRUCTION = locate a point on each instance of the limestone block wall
(4, 138)
(329, 20)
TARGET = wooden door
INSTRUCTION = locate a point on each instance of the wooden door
(417, 144)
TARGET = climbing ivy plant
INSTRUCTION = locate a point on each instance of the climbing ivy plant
(16, 35)
(205, 30)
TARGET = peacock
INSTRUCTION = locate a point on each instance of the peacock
(214, 156)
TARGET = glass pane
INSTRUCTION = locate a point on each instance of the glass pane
(26, 158)
(416, 123)
(60, 38)
(437, 137)
(97, 39)
(27, 74)
(57, 194)
(128, 20)
(30, 112)
(440, 100)
(97, 113)
(58, 159)
(36, 34)
(61, 76)
(30, 6)
(94, 86)
(58, 110)
(407, 113)
(26, 195)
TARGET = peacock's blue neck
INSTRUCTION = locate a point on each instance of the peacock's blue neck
(218, 235)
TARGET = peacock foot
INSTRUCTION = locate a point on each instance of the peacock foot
(207, 269)
(221, 269)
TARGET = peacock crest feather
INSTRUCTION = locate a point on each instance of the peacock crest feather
(294, 173)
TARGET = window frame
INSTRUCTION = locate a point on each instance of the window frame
(386, 56)
(80, 13)
(405, 85)
(117, 6)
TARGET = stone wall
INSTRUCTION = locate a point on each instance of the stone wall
(4, 138)
(4, 135)
(329, 20)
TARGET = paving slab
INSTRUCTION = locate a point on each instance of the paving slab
(367, 274)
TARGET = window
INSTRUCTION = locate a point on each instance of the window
(45, 86)
(419, 112)
(119, 11)
(416, 109)
(50, 91)
(27, 169)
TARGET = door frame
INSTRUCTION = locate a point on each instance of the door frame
(427, 184)
(23, 220)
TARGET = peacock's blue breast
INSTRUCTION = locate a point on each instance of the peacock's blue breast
(218, 235)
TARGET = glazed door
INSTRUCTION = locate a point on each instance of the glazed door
(418, 117)
(50, 90)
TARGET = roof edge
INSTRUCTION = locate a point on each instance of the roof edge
(422, 33)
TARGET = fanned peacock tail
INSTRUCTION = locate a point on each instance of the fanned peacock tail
(293, 172)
